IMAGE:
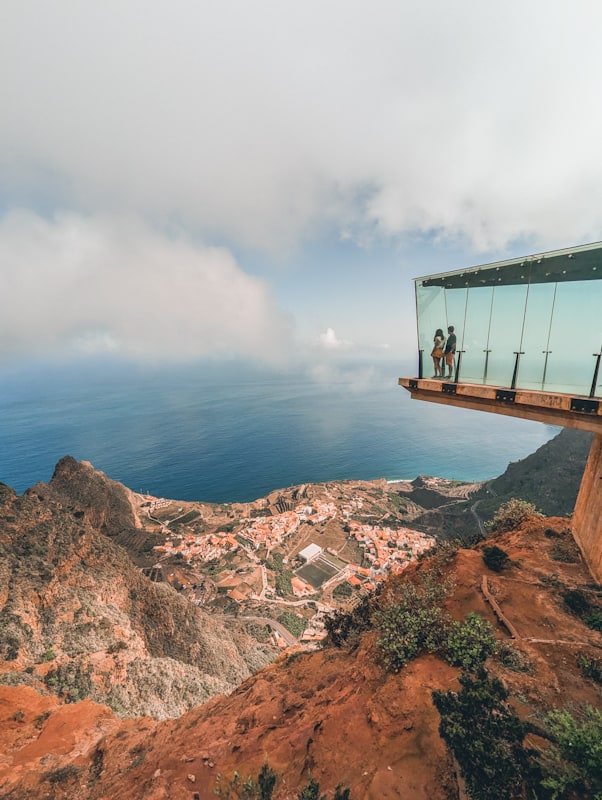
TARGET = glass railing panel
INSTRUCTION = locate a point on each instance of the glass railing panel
(430, 306)
(505, 334)
(536, 331)
(455, 307)
(575, 335)
(476, 334)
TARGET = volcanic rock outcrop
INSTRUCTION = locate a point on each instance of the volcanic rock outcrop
(79, 620)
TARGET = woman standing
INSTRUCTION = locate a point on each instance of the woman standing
(437, 352)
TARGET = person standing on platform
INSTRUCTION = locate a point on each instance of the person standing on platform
(437, 352)
(450, 352)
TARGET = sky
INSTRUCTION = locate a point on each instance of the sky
(185, 179)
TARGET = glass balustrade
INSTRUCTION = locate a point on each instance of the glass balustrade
(531, 323)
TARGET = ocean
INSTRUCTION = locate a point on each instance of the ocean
(234, 433)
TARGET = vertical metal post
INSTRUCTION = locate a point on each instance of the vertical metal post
(486, 365)
(458, 363)
(518, 354)
(420, 369)
(592, 391)
(545, 368)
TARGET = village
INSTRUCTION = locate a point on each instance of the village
(282, 561)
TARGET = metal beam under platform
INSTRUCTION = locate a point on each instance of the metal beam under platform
(565, 410)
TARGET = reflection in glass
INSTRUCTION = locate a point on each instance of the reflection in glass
(507, 315)
(475, 360)
(535, 339)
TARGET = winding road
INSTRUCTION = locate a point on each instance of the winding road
(475, 505)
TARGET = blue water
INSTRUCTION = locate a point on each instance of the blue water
(234, 434)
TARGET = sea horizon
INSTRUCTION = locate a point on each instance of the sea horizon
(234, 434)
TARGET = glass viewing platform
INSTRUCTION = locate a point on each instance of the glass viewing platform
(532, 323)
(528, 344)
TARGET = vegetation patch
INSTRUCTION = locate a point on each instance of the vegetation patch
(282, 575)
(410, 626)
(579, 603)
(238, 788)
(345, 627)
(511, 515)
(486, 737)
(573, 765)
(292, 623)
(186, 518)
(14, 633)
(512, 658)
(590, 667)
(63, 774)
(70, 682)
(342, 591)
(495, 558)
(470, 643)
(565, 551)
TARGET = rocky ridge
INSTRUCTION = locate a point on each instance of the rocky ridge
(80, 620)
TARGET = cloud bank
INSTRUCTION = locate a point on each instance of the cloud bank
(258, 123)
(96, 285)
(144, 144)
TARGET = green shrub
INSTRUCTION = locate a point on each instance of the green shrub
(574, 763)
(236, 788)
(311, 791)
(405, 632)
(469, 643)
(70, 682)
(495, 558)
(511, 514)
(565, 551)
(512, 658)
(345, 627)
(576, 601)
(63, 774)
(594, 620)
(486, 737)
(590, 667)
(48, 654)
(12, 644)
(266, 781)
(413, 621)
(249, 789)
(282, 583)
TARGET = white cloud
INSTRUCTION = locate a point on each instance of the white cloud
(92, 284)
(257, 122)
(330, 340)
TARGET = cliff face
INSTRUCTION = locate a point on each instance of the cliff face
(336, 714)
(79, 620)
(550, 477)
(106, 504)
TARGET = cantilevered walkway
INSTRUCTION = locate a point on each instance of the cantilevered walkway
(527, 342)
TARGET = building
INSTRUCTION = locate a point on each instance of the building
(310, 552)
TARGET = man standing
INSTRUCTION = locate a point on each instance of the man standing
(450, 351)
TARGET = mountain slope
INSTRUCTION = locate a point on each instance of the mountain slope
(336, 714)
(80, 620)
(550, 477)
